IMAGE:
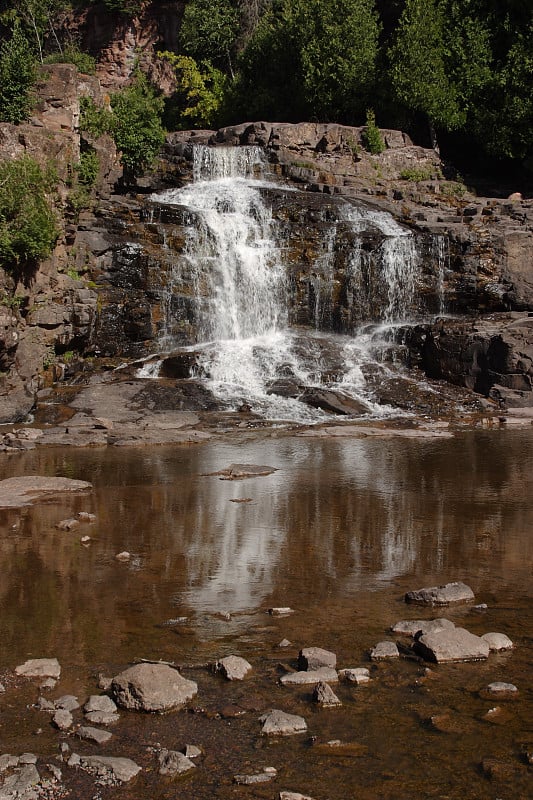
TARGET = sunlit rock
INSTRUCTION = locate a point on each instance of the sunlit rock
(152, 687)
(498, 641)
(311, 658)
(39, 668)
(234, 668)
(306, 677)
(456, 592)
(357, 675)
(323, 695)
(279, 723)
(171, 762)
(452, 645)
(63, 719)
(95, 735)
(384, 650)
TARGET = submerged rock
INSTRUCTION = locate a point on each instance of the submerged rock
(39, 668)
(310, 676)
(456, 592)
(279, 723)
(268, 774)
(107, 768)
(452, 645)
(25, 490)
(152, 687)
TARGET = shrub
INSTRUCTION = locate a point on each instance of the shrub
(72, 54)
(416, 174)
(28, 229)
(93, 119)
(17, 77)
(88, 168)
(371, 136)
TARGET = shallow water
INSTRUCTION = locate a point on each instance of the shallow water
(338, 532)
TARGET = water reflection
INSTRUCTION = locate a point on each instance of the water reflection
(338, 518)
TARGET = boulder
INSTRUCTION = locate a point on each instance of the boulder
(452, 645)
(152, 687)
(311, 658)
(323, 695)
(39, 668)
(234, 668)
(19, 785)
(171, 762)
(498, 641)
(279, 723)
(456, 592)
(306, 677)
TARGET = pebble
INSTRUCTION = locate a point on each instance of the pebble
(123, 556)
(284, 643)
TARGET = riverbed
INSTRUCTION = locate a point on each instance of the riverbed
(338, 532)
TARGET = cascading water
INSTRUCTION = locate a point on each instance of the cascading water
(247, 352)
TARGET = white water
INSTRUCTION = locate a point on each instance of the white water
(234, 254)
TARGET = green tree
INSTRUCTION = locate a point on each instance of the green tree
(136, 125)
(28, 229)
(338, 54)
(209, 32)
(200, 92)
(17, 77)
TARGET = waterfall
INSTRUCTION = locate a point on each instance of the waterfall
(247, 353)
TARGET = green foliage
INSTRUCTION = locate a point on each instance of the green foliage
(17, 77)
(94, 119)
(371, 136)
(417, 174)
(72, 54)
(136, 124)
(200, 92)
(209, 31)
(28, 229)
(129, 7)
(11, 301)
(312, 58)
(88, 167)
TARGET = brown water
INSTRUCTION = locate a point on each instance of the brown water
(339, 532)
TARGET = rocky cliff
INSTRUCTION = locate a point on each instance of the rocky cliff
(106, 291)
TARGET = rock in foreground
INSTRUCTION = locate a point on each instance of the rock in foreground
(452, 645)
(39, 668)
(279, 723)
(152, 687)
(456, 592)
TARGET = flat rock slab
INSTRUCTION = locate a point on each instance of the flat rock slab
(294, 796)
(384, 650)
(95, 735)
(307, 677)
(152, 687)
(233, 668)
(171, 762)
(311, 658)
(28, 489)
(237, 472)
(117, 769)
(452, 645)
(456, 592)
(279, 723)
(20, 784)
(101, 718)
(410, 627)
(100, 702)
(268, 774)
(357, 675)
(39, 668)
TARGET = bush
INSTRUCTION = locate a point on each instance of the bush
(28, 229)
(17, 77)
(371, 136)
(88, 168)
(94, 120)
(72, 54)
(416, 174)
